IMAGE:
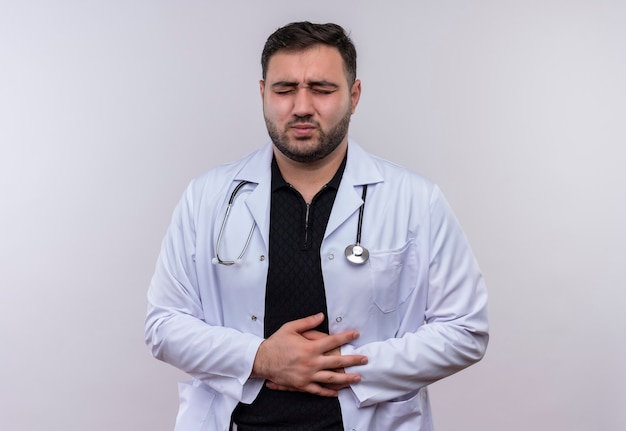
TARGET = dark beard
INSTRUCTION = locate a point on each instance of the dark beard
(328, 142)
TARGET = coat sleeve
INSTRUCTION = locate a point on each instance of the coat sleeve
(176, 330)
(451, 332)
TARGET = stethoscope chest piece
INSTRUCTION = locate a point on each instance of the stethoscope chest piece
(357, 254)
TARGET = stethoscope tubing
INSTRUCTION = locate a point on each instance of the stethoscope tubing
(355, 253)
(359, 226)
(231, 202)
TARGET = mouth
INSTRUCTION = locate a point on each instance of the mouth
(303, 129)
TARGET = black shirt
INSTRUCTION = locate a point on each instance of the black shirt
(295, 289)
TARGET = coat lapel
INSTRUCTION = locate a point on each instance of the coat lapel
(257, 170)
(360, 170)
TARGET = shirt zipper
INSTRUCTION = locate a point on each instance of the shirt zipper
(306, 226)
(307, 212)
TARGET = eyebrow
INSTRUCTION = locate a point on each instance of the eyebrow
(282, 84)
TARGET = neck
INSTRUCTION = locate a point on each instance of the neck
(309, 178)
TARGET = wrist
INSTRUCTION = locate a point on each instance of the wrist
(258, 368)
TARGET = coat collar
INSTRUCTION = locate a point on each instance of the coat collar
(360, 170)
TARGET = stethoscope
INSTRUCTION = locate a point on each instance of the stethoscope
(217, 259)
(355, 253)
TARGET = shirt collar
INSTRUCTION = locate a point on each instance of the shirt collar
(278, 181)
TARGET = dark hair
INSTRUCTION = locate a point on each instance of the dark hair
(299, 36)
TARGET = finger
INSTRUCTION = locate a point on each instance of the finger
(333, 341)
(332, 362)
(305, 324)
(330, 378)
(312, 388)
(277, 387)
(336, 387)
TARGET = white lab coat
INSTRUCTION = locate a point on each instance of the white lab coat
(419, 302)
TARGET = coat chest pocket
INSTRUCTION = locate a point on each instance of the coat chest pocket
(393, 276)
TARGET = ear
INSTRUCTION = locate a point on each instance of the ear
(262, 88)
(355, 94)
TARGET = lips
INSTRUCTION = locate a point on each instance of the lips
(303, 129)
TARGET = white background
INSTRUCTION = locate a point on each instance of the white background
(108, 108)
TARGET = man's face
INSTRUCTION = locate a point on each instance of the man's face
(307, 102)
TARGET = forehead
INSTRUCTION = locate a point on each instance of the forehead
(319, 62)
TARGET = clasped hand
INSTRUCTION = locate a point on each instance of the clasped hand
(297, 358)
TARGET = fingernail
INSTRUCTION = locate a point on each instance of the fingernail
(364, 361)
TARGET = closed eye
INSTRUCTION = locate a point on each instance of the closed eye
(284, 91)
(323, 90)
(320, 88)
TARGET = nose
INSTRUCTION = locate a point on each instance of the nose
(303, 102)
